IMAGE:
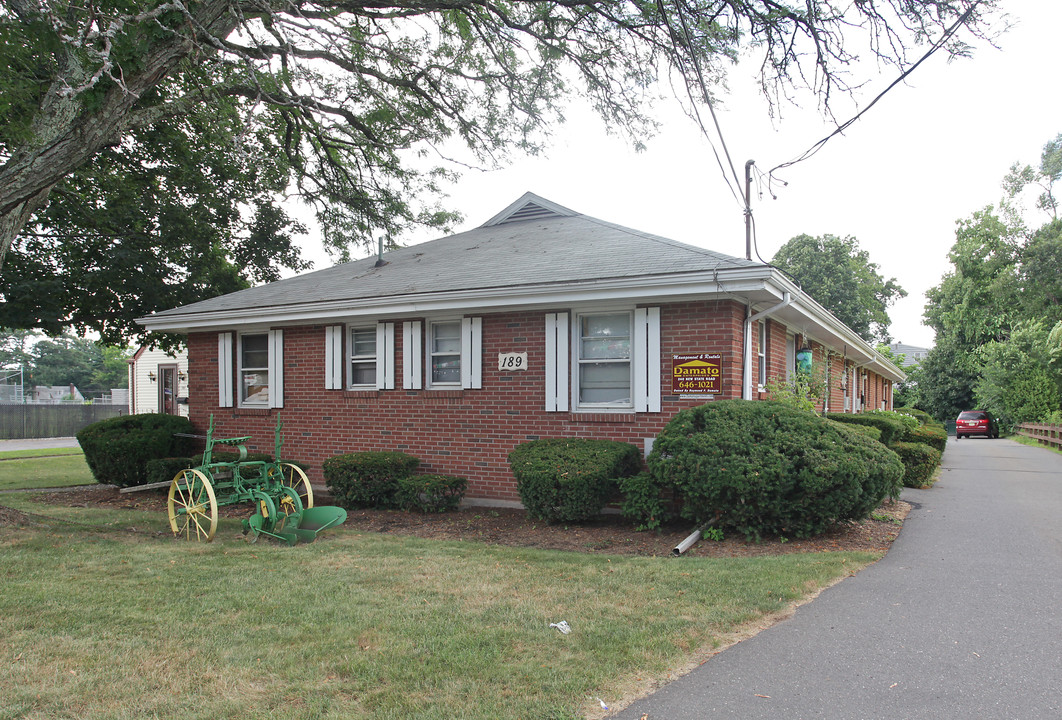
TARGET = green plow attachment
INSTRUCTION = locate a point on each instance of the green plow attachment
(304, 526)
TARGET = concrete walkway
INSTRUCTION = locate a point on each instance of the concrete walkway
(962, 619)
(38, 443)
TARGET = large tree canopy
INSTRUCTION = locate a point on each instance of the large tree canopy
(998, 313)
(357, 104)
(841, 277)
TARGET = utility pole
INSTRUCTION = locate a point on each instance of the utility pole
(748, 209)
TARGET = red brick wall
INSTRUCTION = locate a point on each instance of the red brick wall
(461, 432)
(471, 432)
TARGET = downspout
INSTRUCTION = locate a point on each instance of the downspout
(746, 390)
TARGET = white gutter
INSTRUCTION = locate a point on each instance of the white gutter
(746, 371)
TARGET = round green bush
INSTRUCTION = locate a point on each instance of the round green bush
(165, 469)
(763, 468)
(935, 436)
(431, 492)
(367, 479)
(920, 461)
(118, 449)
(570, 479)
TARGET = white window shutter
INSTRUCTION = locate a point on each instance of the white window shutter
(471, 353)
(226, 397)
(276, 368)
(412, 356)
(333, 357)
(557, 362)
(385, 356)
(647, 359)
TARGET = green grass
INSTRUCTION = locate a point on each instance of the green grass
(39, 452)
(1032, 442)
(112, 618)
(30, 471)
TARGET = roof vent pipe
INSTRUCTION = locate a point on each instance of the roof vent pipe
(746, 390)
(379, 256)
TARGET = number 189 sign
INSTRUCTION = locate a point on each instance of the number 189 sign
(699, 374)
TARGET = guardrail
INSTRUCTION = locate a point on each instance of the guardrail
(1044, 434)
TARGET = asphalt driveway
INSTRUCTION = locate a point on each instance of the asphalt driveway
(962, 619)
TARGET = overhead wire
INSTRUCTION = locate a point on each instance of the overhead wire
(811, 151)
(686, 42)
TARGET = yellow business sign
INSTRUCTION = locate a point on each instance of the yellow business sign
(699, 374)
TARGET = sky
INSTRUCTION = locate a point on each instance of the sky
(932, 151)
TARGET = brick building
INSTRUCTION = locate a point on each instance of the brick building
(541, 323)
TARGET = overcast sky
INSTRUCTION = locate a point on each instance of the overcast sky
(932, 151)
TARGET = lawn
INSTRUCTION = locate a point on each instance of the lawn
(103, 615)
(59, 467)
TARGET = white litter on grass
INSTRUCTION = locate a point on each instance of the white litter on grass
(563, 626)
(603, 705)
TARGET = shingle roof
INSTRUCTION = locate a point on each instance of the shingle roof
(532, 242)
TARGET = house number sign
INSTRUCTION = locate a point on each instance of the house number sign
(512, 361)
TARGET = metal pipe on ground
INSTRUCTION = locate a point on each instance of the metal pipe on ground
(691, 539)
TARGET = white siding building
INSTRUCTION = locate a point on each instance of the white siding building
(158, 382)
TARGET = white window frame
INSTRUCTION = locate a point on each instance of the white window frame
(241, 369)
(644, 361)
(352, 359)
(430, 354)
(273, 369)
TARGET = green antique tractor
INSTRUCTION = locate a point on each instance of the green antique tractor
(280, 491)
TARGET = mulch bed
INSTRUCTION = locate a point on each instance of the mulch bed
(610, 534)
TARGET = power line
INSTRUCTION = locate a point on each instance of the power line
(903, 76)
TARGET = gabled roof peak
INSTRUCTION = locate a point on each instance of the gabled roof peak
(529, 207)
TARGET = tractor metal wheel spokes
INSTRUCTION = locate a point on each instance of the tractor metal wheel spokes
(294, 478)
(193, 507)
(289, 504)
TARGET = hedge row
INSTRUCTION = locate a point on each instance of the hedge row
(570, 479)
(903, 432)
(386, 479)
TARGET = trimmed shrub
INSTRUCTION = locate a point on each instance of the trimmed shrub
(118, 449)
(869, 430)
(919, 461)
(431, 493)
(643, 501)
(165, 469)
(767, 469)
(921, 415)
(367, 479)
(570, 479)
(935, 436)
(892, 429)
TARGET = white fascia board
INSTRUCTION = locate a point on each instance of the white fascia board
(658, 288)
(825, 328)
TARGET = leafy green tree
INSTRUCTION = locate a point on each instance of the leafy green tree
(358, 97)
(1018, 380)
(977, 301)
(1040, 273)
(945, 380)
(15, 347)
(1042, 178)
(175, 215)
(840, 277)
(91, 366)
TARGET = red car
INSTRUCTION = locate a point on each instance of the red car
(975, 422)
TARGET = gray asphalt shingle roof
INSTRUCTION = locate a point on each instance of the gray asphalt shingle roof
(550, 248)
